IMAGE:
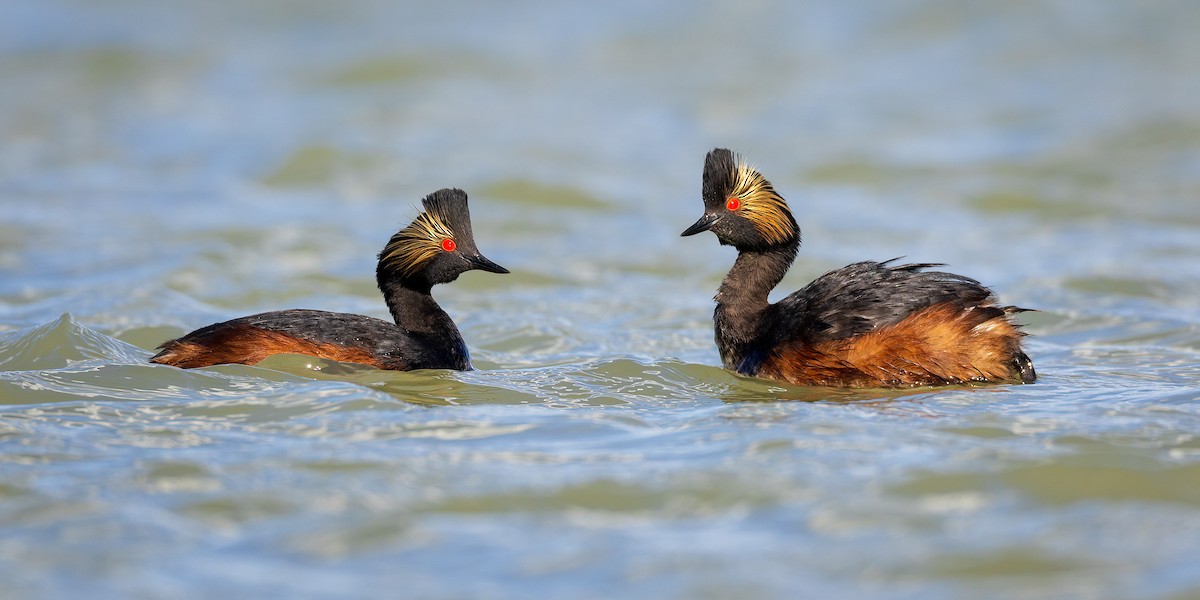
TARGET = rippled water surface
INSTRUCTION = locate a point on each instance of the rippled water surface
(167, 165)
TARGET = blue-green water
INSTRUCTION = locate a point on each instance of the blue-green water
(167, 165)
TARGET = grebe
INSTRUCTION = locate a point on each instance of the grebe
(869, 324)
(436, 248)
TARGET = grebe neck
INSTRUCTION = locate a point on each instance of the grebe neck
(742, 299)
(415, 310)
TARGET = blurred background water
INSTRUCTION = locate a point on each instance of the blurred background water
(165, 165)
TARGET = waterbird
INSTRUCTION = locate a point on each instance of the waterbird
(868, 324)
(436, 247)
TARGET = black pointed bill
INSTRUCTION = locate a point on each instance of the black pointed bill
(482, 263)
(704, 224)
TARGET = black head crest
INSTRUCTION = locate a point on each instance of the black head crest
(720, 168)
(449, 207)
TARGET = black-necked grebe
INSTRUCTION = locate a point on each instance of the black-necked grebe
(436, 248)
(869, 324)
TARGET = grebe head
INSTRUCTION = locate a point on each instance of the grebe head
(741, 207)
(437, 246)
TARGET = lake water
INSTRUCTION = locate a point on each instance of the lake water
(168, 165)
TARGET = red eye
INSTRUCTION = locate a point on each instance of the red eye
(733, 203)
(448, 245)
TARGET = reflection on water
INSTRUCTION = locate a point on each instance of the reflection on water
(165, 167)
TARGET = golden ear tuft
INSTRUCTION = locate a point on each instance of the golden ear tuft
(761, 204)
(417, 244)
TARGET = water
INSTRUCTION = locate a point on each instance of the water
(168, 165)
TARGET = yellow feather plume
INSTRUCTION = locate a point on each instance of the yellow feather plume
(762, 205)
(416, 244)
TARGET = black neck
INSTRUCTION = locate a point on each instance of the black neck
(742, 298)
(415, 310)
